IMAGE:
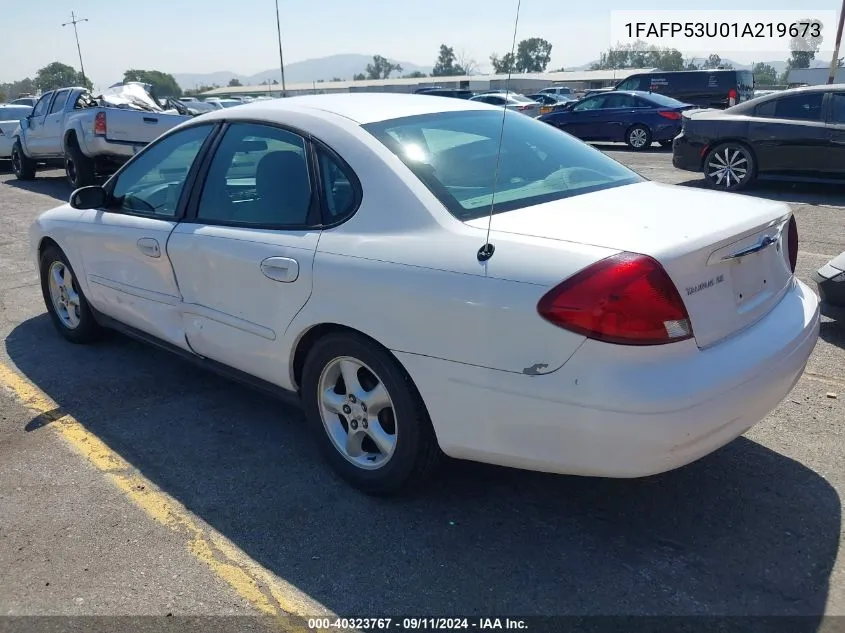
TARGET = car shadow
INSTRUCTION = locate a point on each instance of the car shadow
(654, 148)
(54, 186)
(795, 193)
(833, 333)
(743, 531)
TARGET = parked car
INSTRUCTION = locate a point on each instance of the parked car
(10, 118)
(511, 101)
(830, 282)
(84, 134)
(559, 90)
(796, 135)
(603, 329)
(637, 118)
(704, 88)
(25, 101)
(455, 93)
(549, 101)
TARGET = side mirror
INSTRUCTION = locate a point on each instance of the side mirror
(93, 197)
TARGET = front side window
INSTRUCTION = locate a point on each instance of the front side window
(620, 101)
(799, 107)
(152, 182)
(258, 176)
(455, 155)
(41, 106)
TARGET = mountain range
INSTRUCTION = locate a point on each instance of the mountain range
(326, 68)
(346, 66)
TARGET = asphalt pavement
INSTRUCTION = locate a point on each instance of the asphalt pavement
(133, 483)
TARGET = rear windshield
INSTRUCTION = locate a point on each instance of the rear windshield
(455, 155)
(664, 101)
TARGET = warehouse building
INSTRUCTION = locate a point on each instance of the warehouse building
(814, 76)
(522, 83)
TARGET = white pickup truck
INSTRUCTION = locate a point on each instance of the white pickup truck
(71, 128)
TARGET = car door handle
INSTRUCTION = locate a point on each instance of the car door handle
(282, 269)
(149, 247)
(150, 119)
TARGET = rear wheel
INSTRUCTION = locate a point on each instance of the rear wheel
(23, 167)
(367, 416)
(79, 169)
(729, 167)
(638, 137)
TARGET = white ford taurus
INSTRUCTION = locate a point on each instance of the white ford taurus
(335, 248)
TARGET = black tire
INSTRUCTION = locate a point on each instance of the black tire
(88, 330)
(79, 169)
(740, 156)
(638, 137)
(23, 166)
(416, 454)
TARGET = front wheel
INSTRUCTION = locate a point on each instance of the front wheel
(23, 167)
(367, 416)
(729, 167)
(638, 137)
(66, 304)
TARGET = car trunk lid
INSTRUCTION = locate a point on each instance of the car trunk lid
(726, 253)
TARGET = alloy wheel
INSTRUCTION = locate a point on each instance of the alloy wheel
(728, 167)
(638, 137)
(64, 295)
(357, 412)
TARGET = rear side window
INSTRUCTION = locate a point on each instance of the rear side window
(456, 154)
(798, 107)
(837, 110)
(338, 188)
(60, 101)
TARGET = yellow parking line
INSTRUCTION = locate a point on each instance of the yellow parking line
(257, 585)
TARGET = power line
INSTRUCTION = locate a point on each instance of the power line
(76, 20)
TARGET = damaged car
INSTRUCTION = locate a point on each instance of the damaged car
(90, 136)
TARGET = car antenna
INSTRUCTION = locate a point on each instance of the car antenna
(487, 250)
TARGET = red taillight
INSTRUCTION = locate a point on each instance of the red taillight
(626, 299)
(732, 94)
(669, 114)
(100, 124)
(792, 243)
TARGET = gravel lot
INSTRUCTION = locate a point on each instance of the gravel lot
(752, 529)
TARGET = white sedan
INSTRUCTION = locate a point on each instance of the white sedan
(335, 249)
(10, 118)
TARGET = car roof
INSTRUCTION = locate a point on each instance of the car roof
(362, 108)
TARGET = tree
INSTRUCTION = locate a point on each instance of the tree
(234, 81)
(164, 85)
(2, 96)
(533, 55)
(642, 55)
(381, 67)
(764, 74)
(445, 65)
(414, 75)
(804, 46)
(503, 65)
(359, 77)
(713, 61)
(59, 75)
(466, 63)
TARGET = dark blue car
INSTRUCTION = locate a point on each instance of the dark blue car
(637, 118)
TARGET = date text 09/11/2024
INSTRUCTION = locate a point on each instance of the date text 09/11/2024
(809, 29)
(415, 624)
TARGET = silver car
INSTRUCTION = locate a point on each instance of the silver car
(511, 101)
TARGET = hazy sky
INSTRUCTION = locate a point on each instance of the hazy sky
(240, 36)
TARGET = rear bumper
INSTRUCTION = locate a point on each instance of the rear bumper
(616, 411)
(686, 154)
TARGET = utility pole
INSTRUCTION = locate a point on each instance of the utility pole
(834, 63)
(281, 57)
(76, 20)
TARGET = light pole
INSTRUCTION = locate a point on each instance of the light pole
(75, 20)
(281, 57)
(834, 63)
